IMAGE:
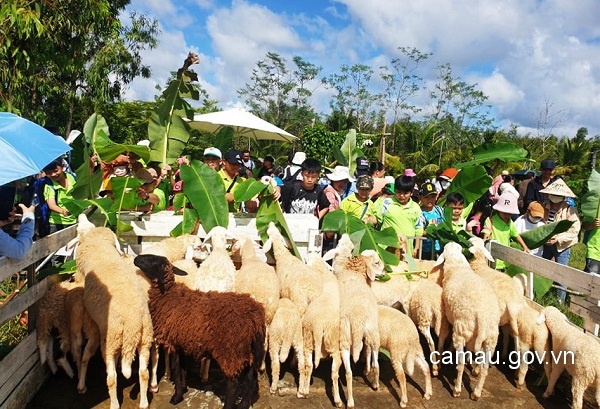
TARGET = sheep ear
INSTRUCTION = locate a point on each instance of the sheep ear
(439, 261)
(487, 254)
(267, 245)
(189, 253)
(542, 318)
(237, 244)
(330, 254)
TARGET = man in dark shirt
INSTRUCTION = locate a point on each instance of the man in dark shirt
(305, 196)
(540, 182)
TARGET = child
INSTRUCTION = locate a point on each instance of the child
(457, 202)
(501, 227)
(533, 217)
(305, 196)
(482, 210)
(402, 213)
(358, 204)
(431, 214)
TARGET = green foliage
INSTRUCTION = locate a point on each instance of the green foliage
(445, 233)
(496, 152)
(471, 182)
(590, 202)
(537, 237)
(269, 211)
(319, 143)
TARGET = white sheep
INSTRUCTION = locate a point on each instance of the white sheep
(471, 306)
(399, 336)
(321, 330)
(575, 351)
(358, 307)
(298, 282)
(532, 337)
(284, 332)
(217, 272)
(509, 294)
(117, 302)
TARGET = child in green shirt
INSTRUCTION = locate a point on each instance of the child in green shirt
(457, 202)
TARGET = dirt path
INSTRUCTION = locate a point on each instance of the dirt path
(59, 392)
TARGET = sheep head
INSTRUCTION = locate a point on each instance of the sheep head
(158, 269)
(219, 236)
(478, 249)
(375, 267)
(274, 234)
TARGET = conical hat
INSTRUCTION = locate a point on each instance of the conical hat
(558, 188)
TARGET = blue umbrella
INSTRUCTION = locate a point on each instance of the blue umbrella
(26, 147)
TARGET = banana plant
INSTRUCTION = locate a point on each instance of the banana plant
(347, 154)
(471, 182)
(496, 153)
(590, 202)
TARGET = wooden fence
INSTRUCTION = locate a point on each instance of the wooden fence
(21, 375)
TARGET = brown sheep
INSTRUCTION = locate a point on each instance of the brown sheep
(195, 324)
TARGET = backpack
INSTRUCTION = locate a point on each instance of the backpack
(288, 177)
(42, 211)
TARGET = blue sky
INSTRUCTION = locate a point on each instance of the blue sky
(525, 55)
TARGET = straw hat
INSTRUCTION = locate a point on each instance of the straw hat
(507, 203)
(558, 188)
(340, 173)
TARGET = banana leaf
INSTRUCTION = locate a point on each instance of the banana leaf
(223, 139)
(124, 192)
(535, 238)
(364, 236)
(205, 190)
(104, 204)
(444, 232)
(248, 189)
(502, 151)
(180, 201)
(93, 126)
(188, 225)
(68, 267)
(590, 202)
(268, 211)
(87, 184)
(471, 182)
(108, 150)
(541, 285)
(167, 131)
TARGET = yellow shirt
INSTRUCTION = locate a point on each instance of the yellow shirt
(227, 182)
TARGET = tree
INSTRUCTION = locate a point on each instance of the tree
(353, 97)
(280, 95)
(547, 121)
(63, 57)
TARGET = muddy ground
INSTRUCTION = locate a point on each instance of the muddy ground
(59, 392)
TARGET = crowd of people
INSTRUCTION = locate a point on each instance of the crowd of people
(508, 209)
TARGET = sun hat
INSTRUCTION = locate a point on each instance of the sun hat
(298, 158)
(548, 164)
(409, 172)
(390, 179)
(364, 182)
(504, 172)
(558, 188)
(212, 151)
(535, 209)
(261, 160)
(340, 173)
(507, 203)
(427, 189)
(449, 174)
(233, 156)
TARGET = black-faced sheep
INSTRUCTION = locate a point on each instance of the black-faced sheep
(227, 327)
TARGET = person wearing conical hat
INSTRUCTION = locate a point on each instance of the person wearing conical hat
(501, 225)
(558, 247)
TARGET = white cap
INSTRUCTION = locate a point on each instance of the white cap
(299, 157)
(212, 151)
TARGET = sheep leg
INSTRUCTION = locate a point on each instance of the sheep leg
(336, 363)
(299, 349)
(505, 338)
(375, 359)
(489, 345)
(557, 369)
(88, 352)
(204, 368)
(76, 347)
(401, 377)
(348, 369)
(144, 356)
(178, 378)
(426, 331)
(50, 354)
(275, 367)
(578, 387)
(443, 334)
(459, 346)
(367, 350)
(231, 393)
(154, 375)
(111, 379)
(521, 372)
(305, 374)
(422, 363)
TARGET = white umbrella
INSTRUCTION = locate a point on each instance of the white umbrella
(243, 123)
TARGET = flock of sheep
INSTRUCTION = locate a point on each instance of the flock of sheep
(127, 305)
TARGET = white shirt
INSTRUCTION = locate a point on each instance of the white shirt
(523, 224)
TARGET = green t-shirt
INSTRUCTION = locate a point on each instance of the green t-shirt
(502, 232)
(352, 205)
(162, 201)
(405, 219)
(593, 245)
(61, 194)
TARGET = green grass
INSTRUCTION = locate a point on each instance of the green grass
(11, 332)
(578, 256)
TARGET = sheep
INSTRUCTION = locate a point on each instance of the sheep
(116, 301)
(298, 282)
(358, 307)
(228, 327)
(532, 337)
(575, 351)
(217, 272)
(321, 330)
(399, 336)
(173, 248)
(256, 277)
(510, 296)
(284, 332)
(471, 306)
